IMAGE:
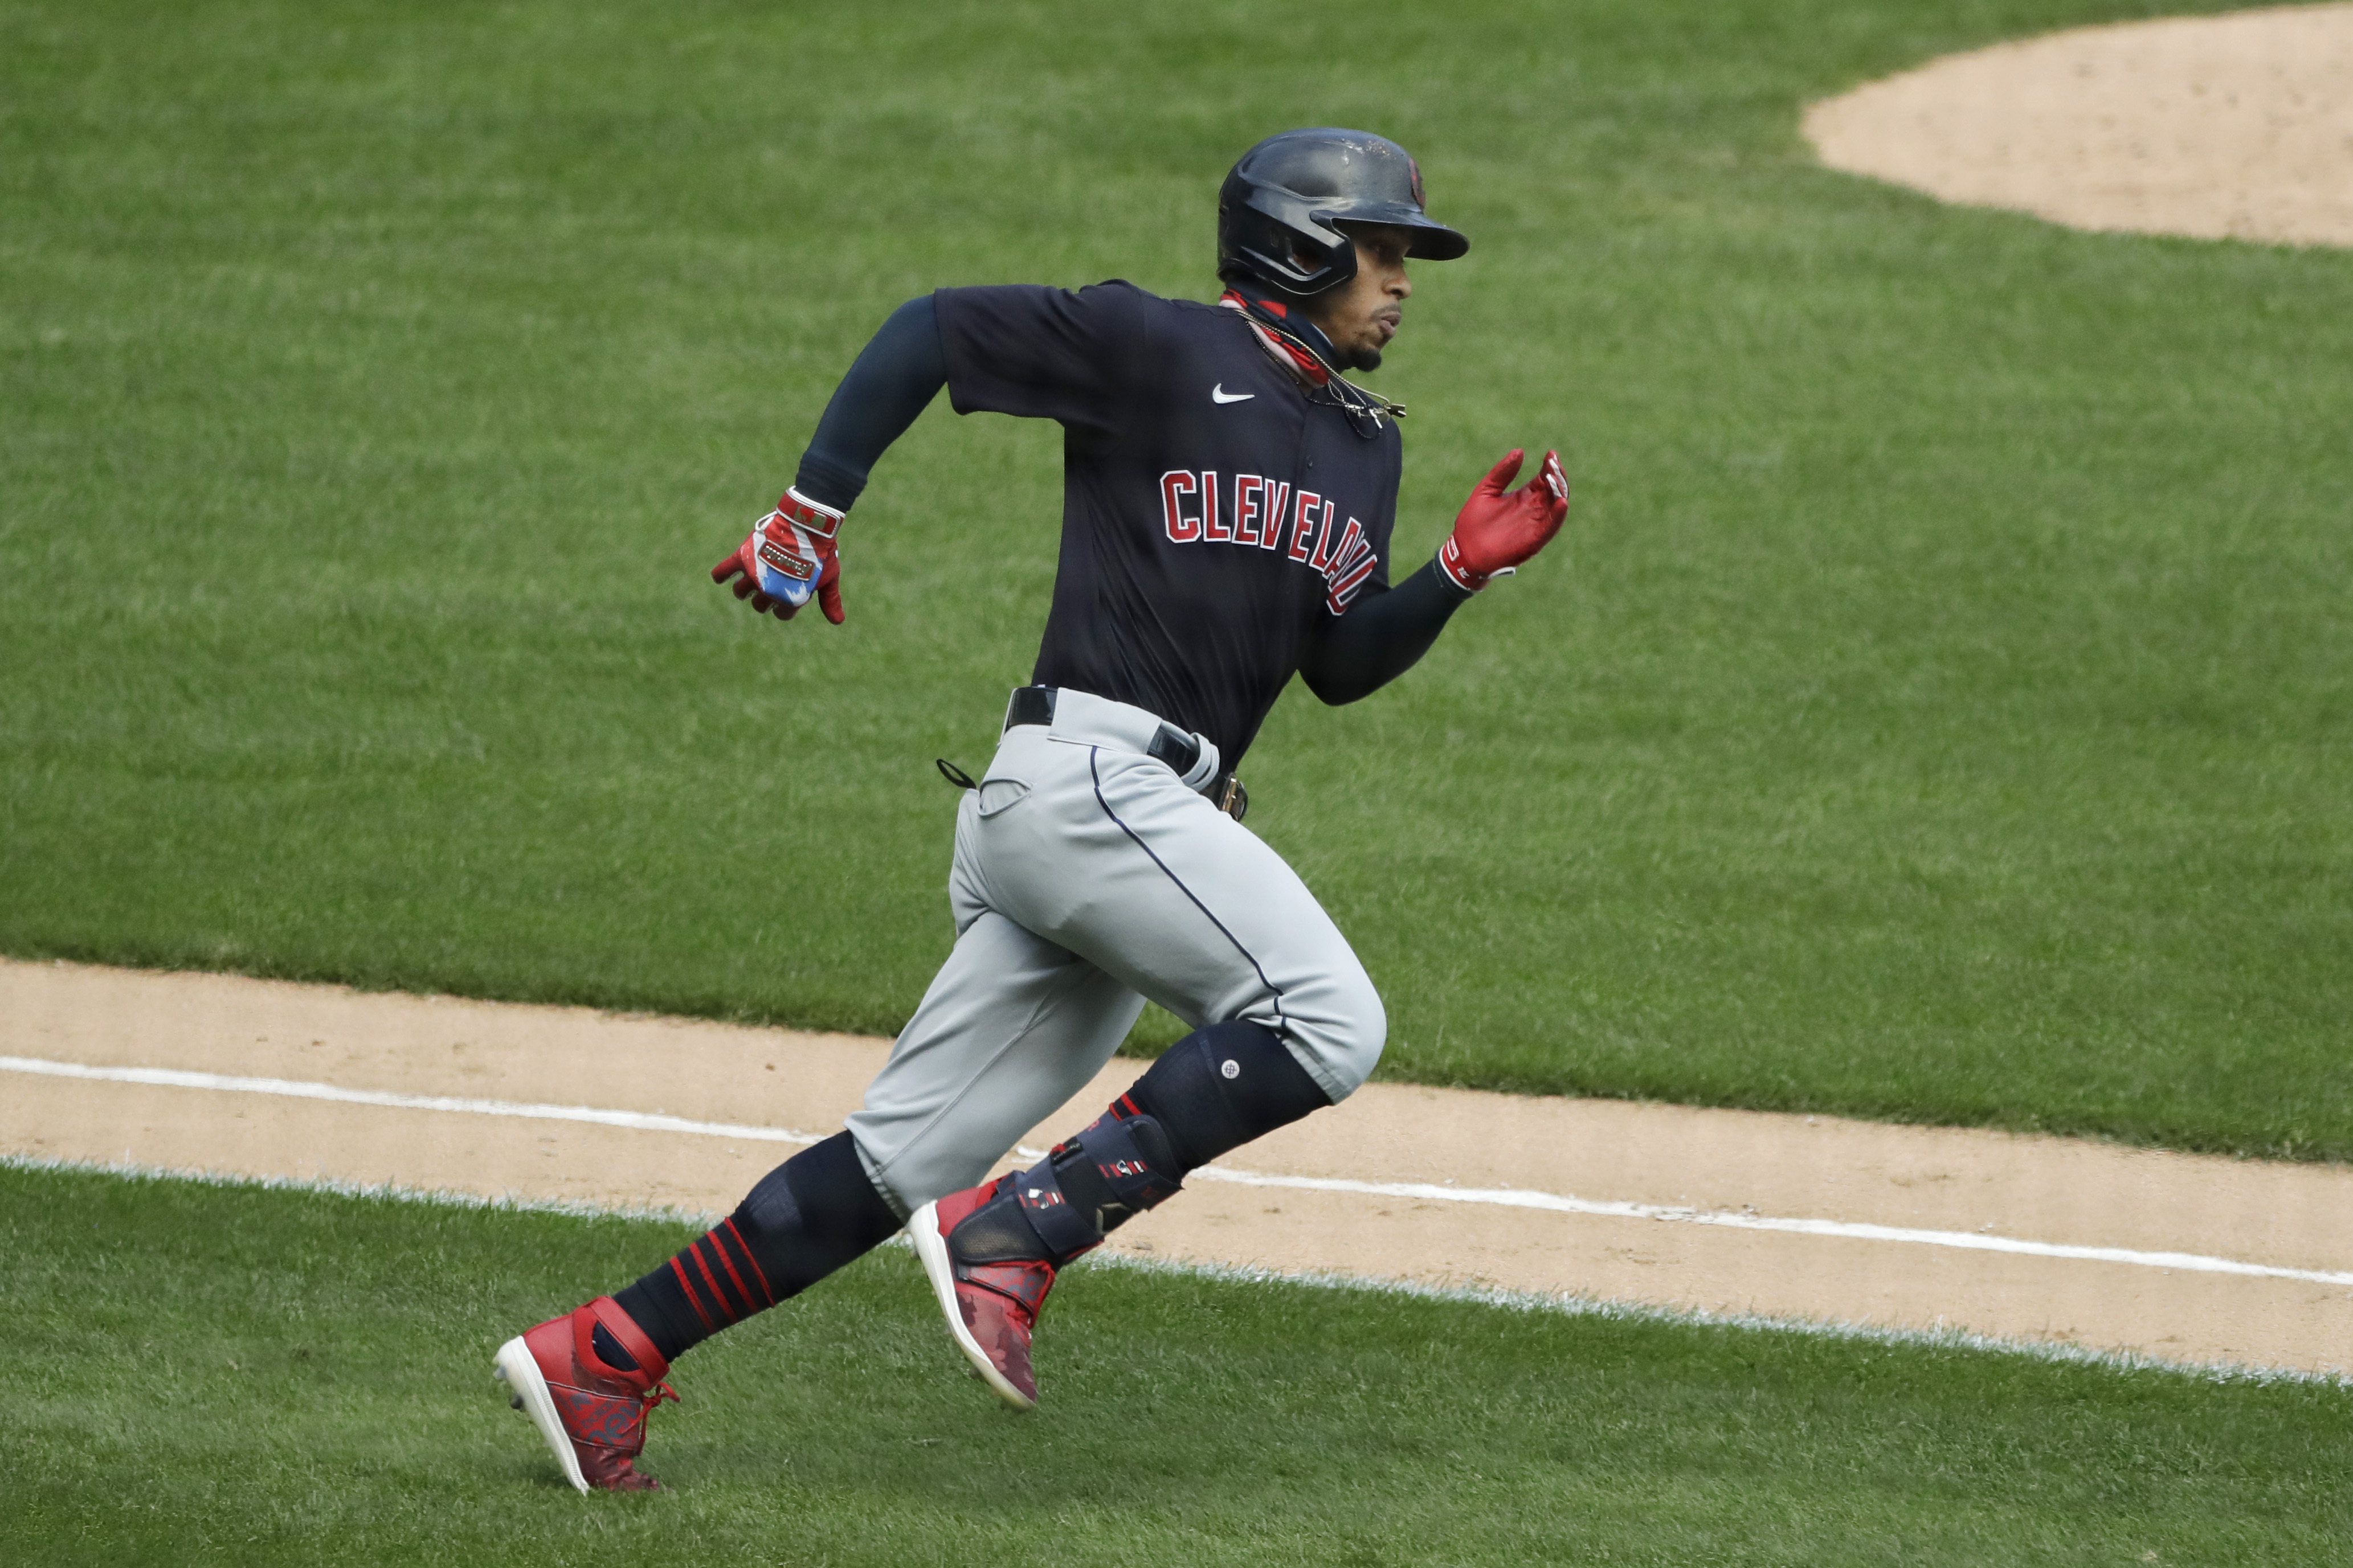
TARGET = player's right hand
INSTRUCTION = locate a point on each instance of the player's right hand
(791, 557)
(1497, 531)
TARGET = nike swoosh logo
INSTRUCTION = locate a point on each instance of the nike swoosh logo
(1218, 393)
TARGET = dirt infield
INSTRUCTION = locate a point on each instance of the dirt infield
(1787, 1217)
(2218, 127)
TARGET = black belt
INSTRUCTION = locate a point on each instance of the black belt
(1171, 747)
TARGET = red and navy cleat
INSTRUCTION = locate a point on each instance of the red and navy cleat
(989, 1272)
(592, 1413)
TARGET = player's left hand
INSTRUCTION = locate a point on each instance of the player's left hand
(791, 557)
(1497, 531)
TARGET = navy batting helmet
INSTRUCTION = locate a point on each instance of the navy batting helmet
(1278, 209)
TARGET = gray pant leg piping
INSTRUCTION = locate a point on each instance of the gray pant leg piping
(1272, 989)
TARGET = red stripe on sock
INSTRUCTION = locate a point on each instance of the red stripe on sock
(687, 1286)
(720, 1247)
(1132, 1109)
(736, 1303)
(761, 1274)
(716, 1293)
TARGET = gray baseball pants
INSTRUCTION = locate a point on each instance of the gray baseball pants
(1087, 877)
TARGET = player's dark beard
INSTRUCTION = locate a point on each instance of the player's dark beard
(1365, 355)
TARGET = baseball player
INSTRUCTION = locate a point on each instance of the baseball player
(1229, 496)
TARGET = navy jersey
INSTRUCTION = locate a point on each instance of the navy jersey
(1214, 513)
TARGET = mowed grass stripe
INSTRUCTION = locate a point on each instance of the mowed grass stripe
(209, 1374)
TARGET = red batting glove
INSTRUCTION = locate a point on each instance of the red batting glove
(1496, 531)
(790, 557)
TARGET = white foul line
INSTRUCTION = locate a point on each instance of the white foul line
(1517, 1197)
(1503, 1198)
(294, 1088)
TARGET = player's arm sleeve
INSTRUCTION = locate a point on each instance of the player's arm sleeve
(894, 379)
(1045, 353)
(1383, 635)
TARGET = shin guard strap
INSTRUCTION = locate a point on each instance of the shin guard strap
(1066, 1231)
(1116, 1169)
(1131, 1155)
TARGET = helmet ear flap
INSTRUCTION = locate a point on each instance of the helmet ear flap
(1271, 238)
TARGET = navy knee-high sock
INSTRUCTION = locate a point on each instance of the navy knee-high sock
(806, 1218)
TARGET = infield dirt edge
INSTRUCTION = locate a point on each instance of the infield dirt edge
(1685, 1160)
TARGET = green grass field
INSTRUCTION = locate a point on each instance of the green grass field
(1938, 709)
(202, 1374)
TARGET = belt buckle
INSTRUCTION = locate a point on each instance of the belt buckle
(1233, 800)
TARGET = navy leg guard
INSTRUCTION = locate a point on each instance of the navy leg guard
(1219, 1087)
(1065, 1203)
(1215, 1089)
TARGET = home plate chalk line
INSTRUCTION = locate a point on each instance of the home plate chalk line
(1501, 1197)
